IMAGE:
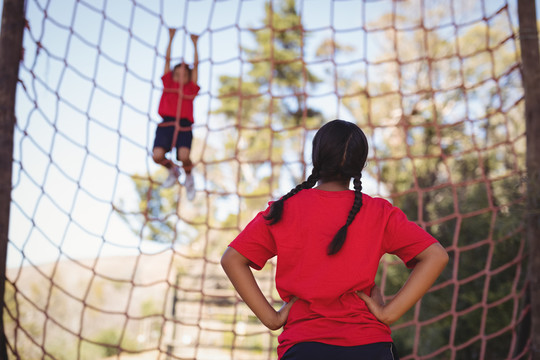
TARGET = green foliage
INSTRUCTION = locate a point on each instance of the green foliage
(153, 220)
(276, 68)
(472, 351)
(434, 336)
(149, 308)
(108, 342)
(436, 302)
(111, 337)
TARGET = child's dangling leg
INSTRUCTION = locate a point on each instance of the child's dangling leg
(162, 145)
(183, 145)
(189, 183)
(159, 158)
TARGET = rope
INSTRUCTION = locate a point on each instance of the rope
(103, 262)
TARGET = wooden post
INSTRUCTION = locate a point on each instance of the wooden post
(530, 60)
(10, 55)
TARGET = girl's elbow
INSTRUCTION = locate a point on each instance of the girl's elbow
(226, 259)
(446, 258)
(443, 256)
(436, 255)
(231, 257)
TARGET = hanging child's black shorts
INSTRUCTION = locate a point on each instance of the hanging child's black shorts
(165, 134)
(320, 351)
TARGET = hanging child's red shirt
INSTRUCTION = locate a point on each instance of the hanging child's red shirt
(327, 309)
(169, 104)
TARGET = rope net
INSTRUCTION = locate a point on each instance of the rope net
(103, 262)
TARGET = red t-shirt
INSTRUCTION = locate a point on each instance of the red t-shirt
(327, 309)
(169, 103)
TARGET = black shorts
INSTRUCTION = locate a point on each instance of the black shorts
(320, 351)
(165, 134)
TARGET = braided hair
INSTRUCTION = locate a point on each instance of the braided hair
(339, 152)
(341, 235)
(276, 210)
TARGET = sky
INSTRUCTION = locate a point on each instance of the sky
(104, 59)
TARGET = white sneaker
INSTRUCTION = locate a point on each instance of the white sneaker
(174, 173)
(190, 187)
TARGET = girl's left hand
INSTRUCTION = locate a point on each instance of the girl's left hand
(282, 315)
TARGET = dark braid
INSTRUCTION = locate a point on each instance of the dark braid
(276, 210)
(341, 235)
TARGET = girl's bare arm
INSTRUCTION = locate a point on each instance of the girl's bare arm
(430, 264)
(168, 53)
(237, 268)
(194, 72)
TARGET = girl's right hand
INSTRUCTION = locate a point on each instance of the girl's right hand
(282, 315)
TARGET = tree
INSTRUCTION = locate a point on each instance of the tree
(277, 68)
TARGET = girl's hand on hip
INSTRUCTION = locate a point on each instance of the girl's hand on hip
(375, 303)
(282, 315)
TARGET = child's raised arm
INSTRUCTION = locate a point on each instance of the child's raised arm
(194, 72)
(168, 53)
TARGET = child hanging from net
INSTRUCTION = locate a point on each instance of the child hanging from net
(328, 241)
(176, 108)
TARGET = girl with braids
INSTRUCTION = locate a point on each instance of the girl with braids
(328, 241)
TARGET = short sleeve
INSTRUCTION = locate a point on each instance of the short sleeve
(404, 238)
(191, 88)
(167, 80)
(255, 242)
